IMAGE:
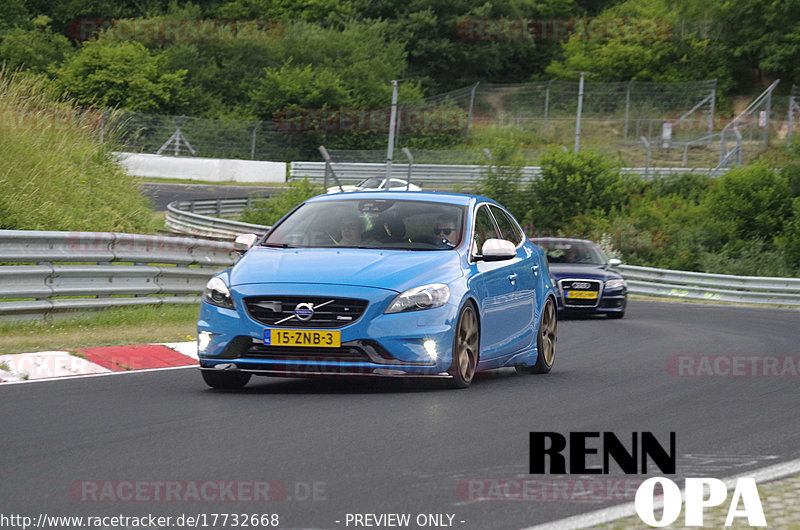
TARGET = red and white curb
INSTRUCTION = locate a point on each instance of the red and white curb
(100, 360)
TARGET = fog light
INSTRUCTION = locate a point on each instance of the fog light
(203, 340)
(430, 348)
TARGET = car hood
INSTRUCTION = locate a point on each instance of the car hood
(396, 270)
(560, 271)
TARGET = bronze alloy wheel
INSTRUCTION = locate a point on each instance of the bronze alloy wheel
(545, 341)
(547, 334)
(465, 348)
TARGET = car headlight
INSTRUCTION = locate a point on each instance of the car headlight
(217, 293)
(616, 284)
(418, 298)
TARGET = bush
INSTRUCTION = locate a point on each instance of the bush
(269, 211)
(575, 183)
(753, 201)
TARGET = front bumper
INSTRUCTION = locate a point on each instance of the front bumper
(412, 344)
(611, 301)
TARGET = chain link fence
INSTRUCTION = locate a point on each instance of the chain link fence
(642, 124)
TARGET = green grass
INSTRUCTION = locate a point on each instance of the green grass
(109, 327)
(56, 175)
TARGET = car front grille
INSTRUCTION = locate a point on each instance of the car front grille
(280, 311)
(277, 353)
(578, 292)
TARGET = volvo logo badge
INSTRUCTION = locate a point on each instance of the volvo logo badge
(304, 311)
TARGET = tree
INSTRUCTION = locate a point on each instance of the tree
(123, 74)
(454, 43)
(38, 50)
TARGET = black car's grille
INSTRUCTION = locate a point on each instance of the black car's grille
(580, 292)
(279, 311)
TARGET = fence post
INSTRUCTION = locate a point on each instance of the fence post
(627, 106)
(647, 154)
(711, 113)
(738, 145)
(547, 105)
(390, 149)
(769, 111)
(253, 142)
(471, 104)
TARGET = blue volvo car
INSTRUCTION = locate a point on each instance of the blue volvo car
(381, 284)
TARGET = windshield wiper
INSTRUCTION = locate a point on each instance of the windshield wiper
(276, 245)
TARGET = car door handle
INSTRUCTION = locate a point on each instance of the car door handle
(512, 278)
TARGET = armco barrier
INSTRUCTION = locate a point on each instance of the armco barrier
(711, 287)
(439, 174)
(59, 271)
(203, 218)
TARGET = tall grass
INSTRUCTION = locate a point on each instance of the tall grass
(54, 172)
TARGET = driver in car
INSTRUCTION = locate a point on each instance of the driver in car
(445, 228)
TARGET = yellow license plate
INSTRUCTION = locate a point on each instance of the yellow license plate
(589, 295)
(313, 338)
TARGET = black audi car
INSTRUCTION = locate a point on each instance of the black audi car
(583, 277)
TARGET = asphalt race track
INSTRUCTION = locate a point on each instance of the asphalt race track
(385, 446)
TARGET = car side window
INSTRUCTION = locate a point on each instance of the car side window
(484, 227)
(509, 230)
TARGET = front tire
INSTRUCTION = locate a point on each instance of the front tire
(466, 346)
(545, 342)
(223, 380)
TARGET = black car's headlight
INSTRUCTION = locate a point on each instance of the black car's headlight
(217, 293)
(617, 283)
(418, 298)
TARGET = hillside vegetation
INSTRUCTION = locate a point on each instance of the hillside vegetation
(54, 172)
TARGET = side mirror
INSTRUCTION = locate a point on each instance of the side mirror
(613, 262)
(244, 242)
(498, 249)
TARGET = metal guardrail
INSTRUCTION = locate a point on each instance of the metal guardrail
(58, 271)
(196, 218)
(711, 287)
(442, 174)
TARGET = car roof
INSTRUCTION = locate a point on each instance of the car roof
(429, 196)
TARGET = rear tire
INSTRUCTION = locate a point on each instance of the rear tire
(466, 346)
(545, 342)
(223, 380)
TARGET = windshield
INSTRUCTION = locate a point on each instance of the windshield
(370, 183)
(371, 223)
(572, 251)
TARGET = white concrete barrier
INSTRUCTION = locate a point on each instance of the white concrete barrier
(205, 169)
